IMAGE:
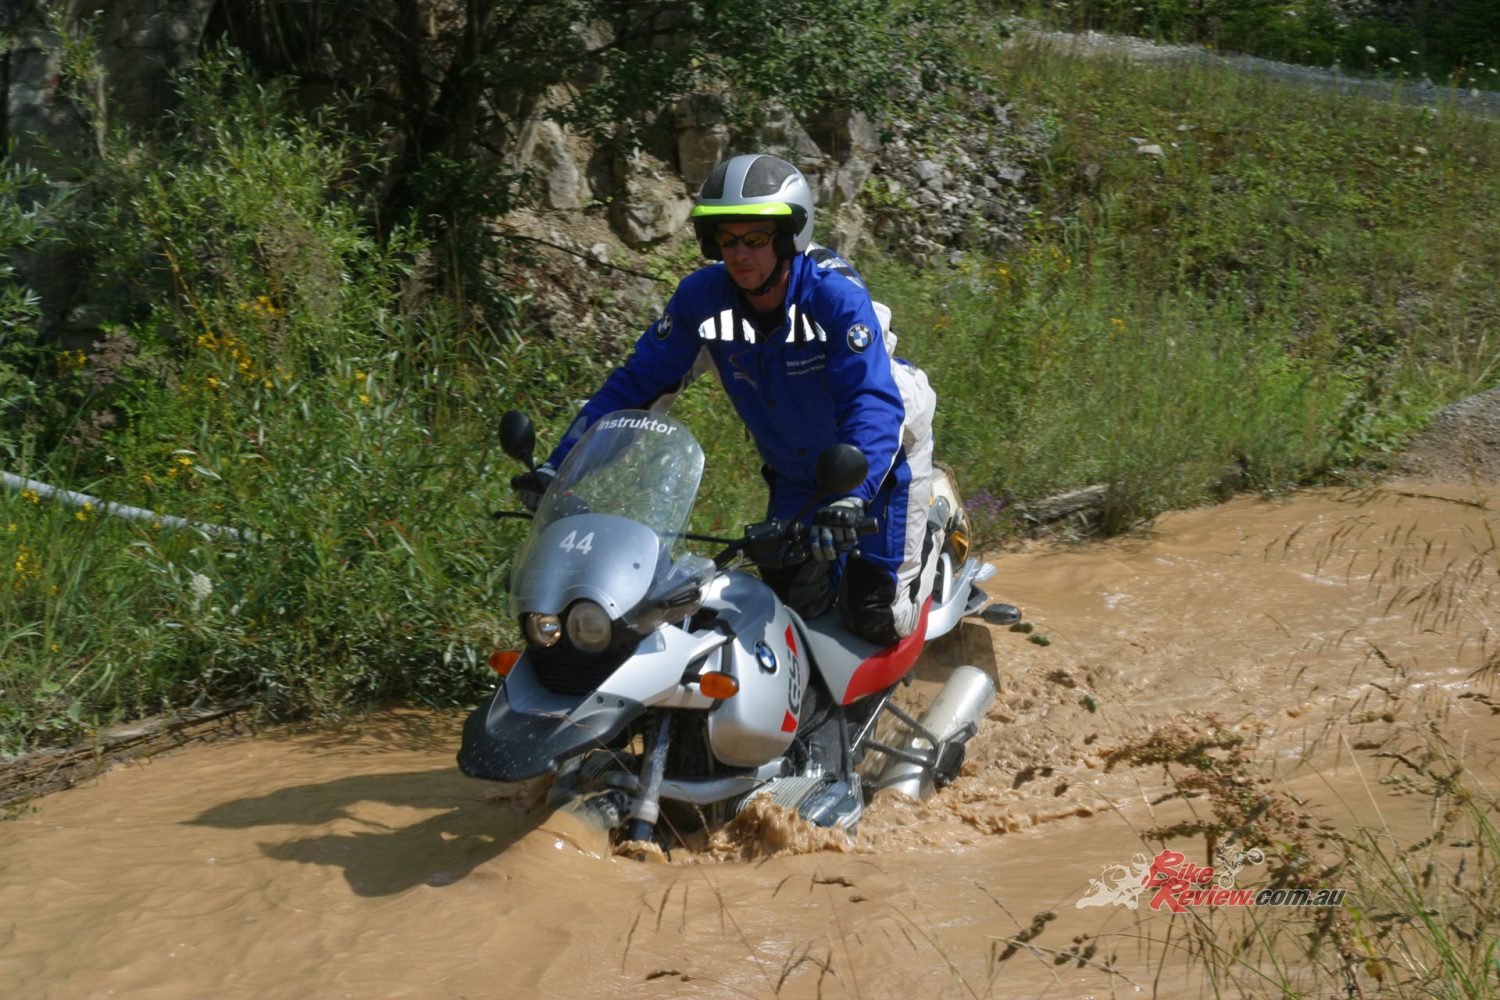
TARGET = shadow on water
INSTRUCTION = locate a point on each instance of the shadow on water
(970, 644)
(380, 856)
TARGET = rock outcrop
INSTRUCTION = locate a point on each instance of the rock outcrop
(926, 189)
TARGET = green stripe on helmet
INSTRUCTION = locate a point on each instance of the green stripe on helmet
(763, 208)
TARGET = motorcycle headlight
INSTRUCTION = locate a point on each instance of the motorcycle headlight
(542, 630)
(589, 628)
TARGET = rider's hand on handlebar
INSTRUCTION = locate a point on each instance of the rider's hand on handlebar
(835, 528)
(529, 486)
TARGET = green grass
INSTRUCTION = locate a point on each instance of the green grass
(1291, 287)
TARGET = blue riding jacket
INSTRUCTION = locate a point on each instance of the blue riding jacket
(820, 377)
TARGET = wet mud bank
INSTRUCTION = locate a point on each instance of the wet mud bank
(1314, 649)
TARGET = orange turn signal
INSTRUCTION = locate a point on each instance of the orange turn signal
(717, 685)
(959, 539)
(503, 661)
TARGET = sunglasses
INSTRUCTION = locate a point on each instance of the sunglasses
(755, 239)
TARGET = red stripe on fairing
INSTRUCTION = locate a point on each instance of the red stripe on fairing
(789, 724)
(888, 665)
(791, 640)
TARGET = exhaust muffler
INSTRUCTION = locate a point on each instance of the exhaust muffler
(951, 719)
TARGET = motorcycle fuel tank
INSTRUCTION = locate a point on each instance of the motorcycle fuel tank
(769, 660)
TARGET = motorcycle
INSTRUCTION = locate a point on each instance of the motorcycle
(665, 690)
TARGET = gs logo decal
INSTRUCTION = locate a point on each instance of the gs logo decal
(859, 337)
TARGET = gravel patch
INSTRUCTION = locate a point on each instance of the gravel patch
(1462, 444)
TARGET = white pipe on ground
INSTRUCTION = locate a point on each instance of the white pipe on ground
(70, 498)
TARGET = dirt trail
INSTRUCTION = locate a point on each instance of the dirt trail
(1324, 627)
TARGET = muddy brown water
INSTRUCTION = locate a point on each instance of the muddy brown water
(1327, 628)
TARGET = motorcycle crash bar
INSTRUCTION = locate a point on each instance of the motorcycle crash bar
(953, 716)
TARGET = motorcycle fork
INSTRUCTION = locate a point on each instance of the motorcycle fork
(653, 767)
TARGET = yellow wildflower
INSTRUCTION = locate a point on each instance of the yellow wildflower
(31, 495)
(364, 399)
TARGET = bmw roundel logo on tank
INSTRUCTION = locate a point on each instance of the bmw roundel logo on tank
(859, 337)
(765, 658)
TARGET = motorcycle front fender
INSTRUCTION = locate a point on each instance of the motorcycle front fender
(503, 743)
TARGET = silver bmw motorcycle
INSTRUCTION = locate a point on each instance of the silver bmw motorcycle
(665, 690)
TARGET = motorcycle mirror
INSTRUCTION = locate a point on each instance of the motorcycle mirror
(841, 468)
(518, 437)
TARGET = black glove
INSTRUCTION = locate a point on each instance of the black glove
(529, 486)
(835, 528)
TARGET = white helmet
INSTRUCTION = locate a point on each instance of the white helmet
(755, 187)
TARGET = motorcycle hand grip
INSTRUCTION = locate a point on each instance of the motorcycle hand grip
(868, 526)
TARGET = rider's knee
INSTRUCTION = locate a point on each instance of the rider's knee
(805, 587)
(869, 606)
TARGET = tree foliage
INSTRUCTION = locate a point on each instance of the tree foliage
(455, 86)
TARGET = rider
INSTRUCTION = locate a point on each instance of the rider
(804, 354)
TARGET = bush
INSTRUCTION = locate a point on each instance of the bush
(289, 376)
(23, 226)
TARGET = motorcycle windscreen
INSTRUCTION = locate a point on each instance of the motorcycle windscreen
(632, 470)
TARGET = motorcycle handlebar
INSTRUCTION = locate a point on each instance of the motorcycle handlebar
(781, 543)
(772, 542)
